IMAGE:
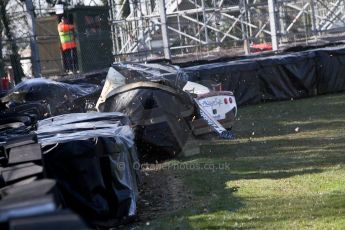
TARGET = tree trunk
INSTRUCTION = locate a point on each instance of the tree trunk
(2, 64)
(16, 65)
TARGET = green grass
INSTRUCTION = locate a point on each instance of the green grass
(278, 178)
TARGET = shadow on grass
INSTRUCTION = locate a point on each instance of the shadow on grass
(272, 213)
(297, 154)
(272, 175)
(274, 160)
(275, 151)
(281, 118)
(268, 153)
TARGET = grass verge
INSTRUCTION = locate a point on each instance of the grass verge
(284, 171)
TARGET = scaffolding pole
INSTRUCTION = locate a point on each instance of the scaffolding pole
(163, 16)
(273, 24)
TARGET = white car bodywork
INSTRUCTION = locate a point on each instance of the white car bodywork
(217, 103)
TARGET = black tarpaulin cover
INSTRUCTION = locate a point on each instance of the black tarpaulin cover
(155, 103)
(93, 158)
(60, 97)
(278, 77)
(240, 77)
(287, 76)
(14, 125)
(330, 66)
(161, 73)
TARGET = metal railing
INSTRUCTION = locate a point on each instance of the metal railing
(199, 26)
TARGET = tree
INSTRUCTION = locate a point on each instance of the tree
(15, 59)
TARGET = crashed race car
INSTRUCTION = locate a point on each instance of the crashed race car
(165, 108)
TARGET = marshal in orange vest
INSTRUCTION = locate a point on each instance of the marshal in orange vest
(66, 36)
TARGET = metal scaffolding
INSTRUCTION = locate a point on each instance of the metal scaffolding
(143, 29)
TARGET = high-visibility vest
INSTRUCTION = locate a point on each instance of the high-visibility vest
(66, 36)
